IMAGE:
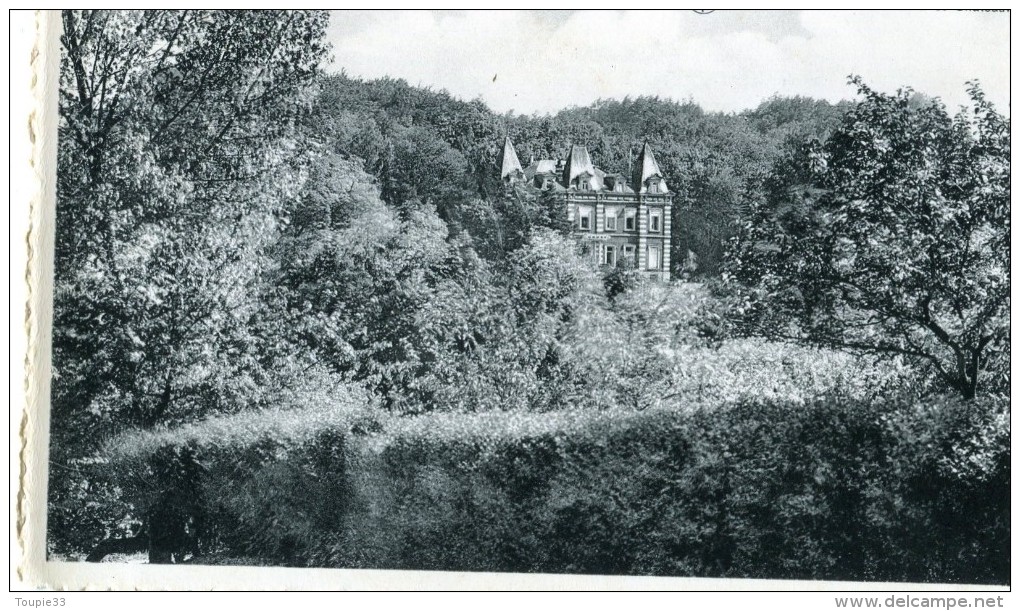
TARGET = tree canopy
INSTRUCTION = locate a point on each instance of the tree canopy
(896, 242)
(176, 154)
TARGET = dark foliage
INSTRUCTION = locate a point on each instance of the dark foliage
(835, 489)
(890, 238)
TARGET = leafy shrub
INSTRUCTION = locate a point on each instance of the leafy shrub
(830, 488)
(833, 489)
(745, 459)
(222, 482)
(620, 279)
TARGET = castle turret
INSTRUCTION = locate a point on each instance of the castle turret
(579, 171)
(510, 165)
(647, 175)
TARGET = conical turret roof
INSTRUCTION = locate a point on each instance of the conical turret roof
(579, 162)
(509, 163)
(646, 168)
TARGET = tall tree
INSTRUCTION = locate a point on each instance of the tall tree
(897, 244)
(176, 135)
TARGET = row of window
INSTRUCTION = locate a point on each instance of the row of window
(584, 220)
(609, 255)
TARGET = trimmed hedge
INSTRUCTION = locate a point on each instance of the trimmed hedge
(832, 489)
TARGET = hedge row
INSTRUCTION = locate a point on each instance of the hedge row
(832, 489)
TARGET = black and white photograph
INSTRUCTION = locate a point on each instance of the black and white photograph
(690, 294)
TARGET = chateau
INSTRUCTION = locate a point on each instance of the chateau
(612, 219)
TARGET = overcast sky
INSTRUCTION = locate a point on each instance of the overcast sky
(542, 61)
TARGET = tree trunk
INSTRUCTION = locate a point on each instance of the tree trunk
(975, 372)
(968, 369)
(166, 532)
(160, 556)
(968, 374)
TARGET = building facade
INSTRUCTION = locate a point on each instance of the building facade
(613, 219)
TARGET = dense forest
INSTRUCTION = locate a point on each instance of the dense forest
(426, 147)
(300, 321)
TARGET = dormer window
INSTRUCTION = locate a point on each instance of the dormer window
(614, 183)
(585, 185)
(653, 186)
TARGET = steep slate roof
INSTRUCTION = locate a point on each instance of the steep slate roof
(509, 162)
(619, 179)
(542, 166)
(579, 162)
(645, 169)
